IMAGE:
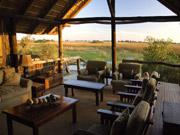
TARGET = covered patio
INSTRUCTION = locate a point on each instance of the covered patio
(36, 17)
(86, 111)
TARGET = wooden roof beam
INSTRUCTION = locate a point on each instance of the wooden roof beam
(121, 20)
(171, 5)
(110, 8)
(26, 7)
(61, 15)
(43, 14)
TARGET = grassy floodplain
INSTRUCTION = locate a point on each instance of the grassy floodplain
(102, 51)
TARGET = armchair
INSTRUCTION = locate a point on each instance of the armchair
(126, 71)
(130, 100)
(93, 72)
(125, 124)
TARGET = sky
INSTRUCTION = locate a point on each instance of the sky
(124, 8)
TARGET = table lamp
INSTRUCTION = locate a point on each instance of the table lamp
(25, 61)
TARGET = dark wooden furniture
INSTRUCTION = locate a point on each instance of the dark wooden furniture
(50, 81)
(38, 89)
(105, 76)
(85, 85)
(171, 118)
(38, 117)
(132, 88)
(136, 82)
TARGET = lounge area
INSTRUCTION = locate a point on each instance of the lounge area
(39, 98)
(86, 111)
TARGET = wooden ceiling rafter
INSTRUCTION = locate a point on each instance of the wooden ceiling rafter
(26, 7)
(77, 9)
(173, 5)
(43, 14)
(110, 8)
(61, 15)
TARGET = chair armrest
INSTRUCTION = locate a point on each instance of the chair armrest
(115, 106)
(127, 97)
(127, 94)
(115, 75)
(107, 116)
(84, 132)
(101, 72)
(26, 83)
(81, 71)
(133, 88)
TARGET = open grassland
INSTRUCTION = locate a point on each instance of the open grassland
(102, 50)
(123, 45)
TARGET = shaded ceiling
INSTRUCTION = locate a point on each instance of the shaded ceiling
(27, 13)
(43, 16)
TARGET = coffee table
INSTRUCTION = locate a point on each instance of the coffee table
(85, 85)
(37, 117)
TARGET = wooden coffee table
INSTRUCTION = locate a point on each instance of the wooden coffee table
(85, 85)
(38, 117)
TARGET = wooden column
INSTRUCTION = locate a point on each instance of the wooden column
(113, 36)
(13, 43)
(60, 49)
(78, 64)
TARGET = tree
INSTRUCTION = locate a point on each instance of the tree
(157, 50)
(47, 51)
(25, 42)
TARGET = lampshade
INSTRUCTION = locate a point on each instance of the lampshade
(25, 60)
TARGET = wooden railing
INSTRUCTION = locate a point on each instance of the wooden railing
(154, 63)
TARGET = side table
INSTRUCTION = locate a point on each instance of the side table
(107, 77)
(50, 81)
(38, 89)
(171, 118)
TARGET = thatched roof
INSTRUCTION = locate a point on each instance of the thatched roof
(37, 16)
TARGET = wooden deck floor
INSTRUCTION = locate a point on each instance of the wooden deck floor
(167, 92)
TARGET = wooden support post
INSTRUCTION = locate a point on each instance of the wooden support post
(60, 49)
(13, 43)
(78, 64)
(179, 76)
(113, 30)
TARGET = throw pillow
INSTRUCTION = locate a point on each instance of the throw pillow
(1, 76)
(120, 123)
(127, 74)
(13, 80)
(8, 72)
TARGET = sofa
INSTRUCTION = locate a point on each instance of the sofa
(93, 71)
(14, 90)
(122, 76)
